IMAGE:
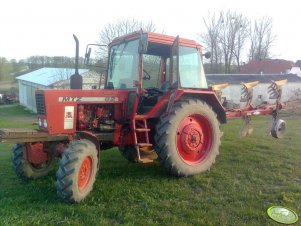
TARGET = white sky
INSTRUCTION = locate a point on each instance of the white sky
(45, 27)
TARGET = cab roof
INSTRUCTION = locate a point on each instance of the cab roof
(157, 38)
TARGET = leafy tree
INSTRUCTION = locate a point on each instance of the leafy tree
(5, 69)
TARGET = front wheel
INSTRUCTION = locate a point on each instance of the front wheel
(188, 139)
(77, 171)
(27, 170)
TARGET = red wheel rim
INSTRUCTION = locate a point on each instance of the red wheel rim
(194, 139)
(84, 173)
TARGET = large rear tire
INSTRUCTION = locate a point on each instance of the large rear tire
(26, 170)
(77, 171)
(188, 139)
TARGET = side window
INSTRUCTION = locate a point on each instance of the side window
(151, 71)
(191, 70)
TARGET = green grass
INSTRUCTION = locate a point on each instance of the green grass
(250, 175)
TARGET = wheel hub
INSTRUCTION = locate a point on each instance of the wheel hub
(84, 173)
(194, 138)
(191, 138)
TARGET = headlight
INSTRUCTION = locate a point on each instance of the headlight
(45, 123)
(40, 122)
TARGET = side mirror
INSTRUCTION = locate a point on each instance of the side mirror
(93, 55)
(207, 55)
(87, 55)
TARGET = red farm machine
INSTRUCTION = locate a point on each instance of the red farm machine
(155, 104)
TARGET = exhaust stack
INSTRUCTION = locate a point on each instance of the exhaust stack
(76, 80)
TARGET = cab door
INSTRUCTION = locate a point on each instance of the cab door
(174, 64)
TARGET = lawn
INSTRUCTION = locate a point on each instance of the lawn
(250, 175)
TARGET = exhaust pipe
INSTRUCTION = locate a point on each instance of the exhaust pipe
(76, 80)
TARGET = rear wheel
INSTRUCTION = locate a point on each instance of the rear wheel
(26, 170)
(188, 139)
(77, 171)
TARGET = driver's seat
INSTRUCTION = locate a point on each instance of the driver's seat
(146, 103)
(165, 86)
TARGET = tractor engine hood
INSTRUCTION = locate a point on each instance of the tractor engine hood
(57, 109)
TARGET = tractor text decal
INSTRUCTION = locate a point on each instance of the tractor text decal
(88, 99)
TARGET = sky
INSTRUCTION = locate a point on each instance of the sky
(45, 27)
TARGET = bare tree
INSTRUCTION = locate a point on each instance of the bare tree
(225, 37)
(232, 37)
(210, 39)
(261, 38)
(123, 27)
(61, 78)
(241, 38)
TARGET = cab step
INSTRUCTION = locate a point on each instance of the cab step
(145, 145)
(145, 160)
(142, 130)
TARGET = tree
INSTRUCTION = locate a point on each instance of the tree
(122, 27)
(232, 37)
(225, 36)
(37, 62)
(61, 77)
(261, 38)
(5, 69)
(241, 38)
(210, 39)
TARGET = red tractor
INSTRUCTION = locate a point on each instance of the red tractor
(156, 103)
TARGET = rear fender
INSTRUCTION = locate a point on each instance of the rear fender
(207, 96)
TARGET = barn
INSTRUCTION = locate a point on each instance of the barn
(50, 78)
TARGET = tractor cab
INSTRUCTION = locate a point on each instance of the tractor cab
(152, 65)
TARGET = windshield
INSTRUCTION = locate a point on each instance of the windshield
(191, 69)
(123, 65)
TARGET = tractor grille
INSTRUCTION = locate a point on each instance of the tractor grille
(40, 103)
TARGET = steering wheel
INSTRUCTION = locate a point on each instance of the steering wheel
(153, 91)
(146, 76)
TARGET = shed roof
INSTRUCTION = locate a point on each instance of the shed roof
(267, 66)
(47, 76)
(214, 79)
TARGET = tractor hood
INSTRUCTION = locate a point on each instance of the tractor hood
(57, 109)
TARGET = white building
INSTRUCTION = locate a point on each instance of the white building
(260, 92)
(51, 78)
